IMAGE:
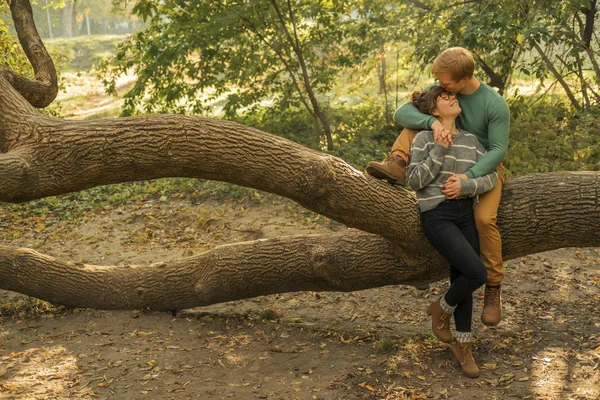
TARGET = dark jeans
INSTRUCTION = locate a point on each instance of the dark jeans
(452, 232)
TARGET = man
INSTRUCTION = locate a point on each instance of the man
(484, 113)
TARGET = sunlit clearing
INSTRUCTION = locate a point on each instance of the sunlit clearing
(550, 370)
(39, 371)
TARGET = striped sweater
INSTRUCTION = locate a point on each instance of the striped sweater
(432, 164)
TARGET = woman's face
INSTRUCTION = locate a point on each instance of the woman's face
(446, 106)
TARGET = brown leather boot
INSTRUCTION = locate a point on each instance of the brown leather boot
(492, 306)
(440, 322)
(392, 168)
(462, 352)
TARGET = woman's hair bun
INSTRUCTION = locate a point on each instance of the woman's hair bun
(415, 97)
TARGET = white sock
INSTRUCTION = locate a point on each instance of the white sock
(447, 308)
(464, 337)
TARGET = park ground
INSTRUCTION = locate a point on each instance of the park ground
(372, 344)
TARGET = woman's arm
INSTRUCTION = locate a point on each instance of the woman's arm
(426, 160)
(477, 186)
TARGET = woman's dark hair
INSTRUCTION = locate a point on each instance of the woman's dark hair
(425, 101)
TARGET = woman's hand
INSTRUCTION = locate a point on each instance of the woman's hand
(451, 189)
(440, 132)
(444, 141)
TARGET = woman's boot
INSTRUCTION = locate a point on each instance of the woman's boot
(440, 322)
(462, 352)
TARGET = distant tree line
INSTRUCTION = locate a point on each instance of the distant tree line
(69, 18)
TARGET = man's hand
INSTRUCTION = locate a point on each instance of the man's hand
(440, 132)
(462, 177)
(451, 189)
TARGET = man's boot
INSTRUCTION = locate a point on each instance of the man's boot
(462, 352)
(440, 322)
(392, 168)
(492, 306)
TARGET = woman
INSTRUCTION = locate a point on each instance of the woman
(446, 199)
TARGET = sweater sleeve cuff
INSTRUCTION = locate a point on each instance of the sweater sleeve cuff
(467, 187)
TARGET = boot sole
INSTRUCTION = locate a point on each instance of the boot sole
(487, 323)
(470, 375)
(376, 173)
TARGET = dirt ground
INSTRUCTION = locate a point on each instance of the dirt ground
(373, 344)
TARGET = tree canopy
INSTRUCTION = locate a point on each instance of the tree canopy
(545, 39)
(243, 54)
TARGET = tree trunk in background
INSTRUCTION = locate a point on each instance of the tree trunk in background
(382, 74)
(87, 23)
(558, 76)
(66, 19)
(49, 21)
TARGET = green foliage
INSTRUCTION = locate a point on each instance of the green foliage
(489, 29)
(385, 345)
(360, 132)
(12, 55)
(541, 38)
(292, 123)
(77, 204)
(83, 52)
(550, 137)
(242, 55)
(27, 307)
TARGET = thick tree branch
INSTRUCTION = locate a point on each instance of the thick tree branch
(495, 79)
(348, 261)
(532, 221)
(42, 90)
(54, 156)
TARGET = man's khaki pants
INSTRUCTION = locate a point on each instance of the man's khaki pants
(486, 212)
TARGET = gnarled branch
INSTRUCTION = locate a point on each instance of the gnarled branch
(42, 90)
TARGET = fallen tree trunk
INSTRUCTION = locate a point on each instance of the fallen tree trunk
(43, 156)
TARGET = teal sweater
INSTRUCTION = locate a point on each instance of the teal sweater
(484, 113)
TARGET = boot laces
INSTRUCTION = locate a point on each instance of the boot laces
(396, 159)
(443, 318)
(466, 352)
(492, 296)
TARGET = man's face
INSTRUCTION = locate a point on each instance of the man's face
(446, 81)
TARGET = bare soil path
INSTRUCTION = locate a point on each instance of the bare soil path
(373, 344)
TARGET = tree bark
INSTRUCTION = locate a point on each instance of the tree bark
(42, 90)
(340, 262)
(590, 16)
(43, 156)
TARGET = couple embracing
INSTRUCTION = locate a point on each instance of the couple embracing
(451, 155)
